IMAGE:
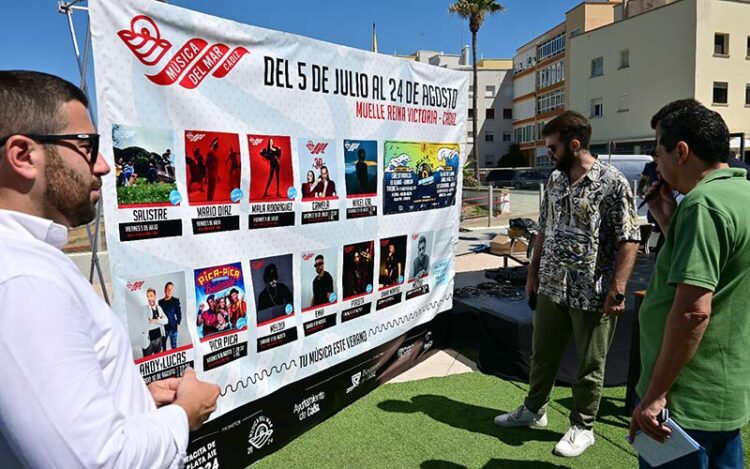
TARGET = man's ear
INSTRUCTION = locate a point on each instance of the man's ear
(683, 150)
(21, 157)
(574, 145)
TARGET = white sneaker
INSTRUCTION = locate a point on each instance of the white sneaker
(521, 417)
(575, 442)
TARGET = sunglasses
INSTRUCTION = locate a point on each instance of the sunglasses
(90, 152)
(318, 264)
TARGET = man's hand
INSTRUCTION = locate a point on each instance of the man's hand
(532, 283)
(645, 419)
(163, 391)
(612, 308)
(662, 204)
(197, 398)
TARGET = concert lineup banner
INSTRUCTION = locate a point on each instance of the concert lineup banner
(281, 215)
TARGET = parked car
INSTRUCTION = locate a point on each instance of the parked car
(500, 177)
(629, 165)
(529, 179)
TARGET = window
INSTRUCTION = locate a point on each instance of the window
(469, 137)
(747, 94)
(597, 107)
(551, 101)
(489, 160)
(721, 92)
(471, 90)
(489, 137)
(489, 113)
(471, 113)
(747, 52)
(623, 103)
(550, 75)
(507, 113)
(575, 32)
(625, 58)
(721, 44)
(597, 67)
(489, 91)
(507, 136)
(551, 47)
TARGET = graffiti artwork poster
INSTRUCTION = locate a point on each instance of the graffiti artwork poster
(419, 176)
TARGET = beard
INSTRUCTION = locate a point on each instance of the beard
(566, 161)
(69, 192)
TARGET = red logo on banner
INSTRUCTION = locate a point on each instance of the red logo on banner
(135, 286)
(316, 148)
(189, 66)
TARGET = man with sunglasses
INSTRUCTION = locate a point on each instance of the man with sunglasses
(583, 256)
(71, 395)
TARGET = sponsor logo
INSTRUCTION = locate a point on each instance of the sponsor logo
(256, 141)
(260, 434)
(427, 341)
(308, 256)
(189, 65)
(360, 378)
(309, 406)
(194, 137)
(135, 286)
(351, 146)
(316, 148)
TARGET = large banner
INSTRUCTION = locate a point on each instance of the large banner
(281, 215)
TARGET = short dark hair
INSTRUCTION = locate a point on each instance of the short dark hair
(151, 290)
(168, 284)
(234, 290)
(569, 125)
(32, 102)
(704, 130)
(270, 273)
(319, 257)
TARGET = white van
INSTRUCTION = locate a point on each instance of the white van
(629, 165)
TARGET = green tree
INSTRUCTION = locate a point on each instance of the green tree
(475, 11)
(514, 158)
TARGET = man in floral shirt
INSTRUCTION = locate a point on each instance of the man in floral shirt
(583, 257)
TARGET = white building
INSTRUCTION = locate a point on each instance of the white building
(655, 52)
(494, 102)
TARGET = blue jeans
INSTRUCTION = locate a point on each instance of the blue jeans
(172, 339)
(719, 450)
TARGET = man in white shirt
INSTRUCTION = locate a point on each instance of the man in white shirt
(71, 396)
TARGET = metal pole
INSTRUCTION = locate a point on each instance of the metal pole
(491, 208)
(67, 9)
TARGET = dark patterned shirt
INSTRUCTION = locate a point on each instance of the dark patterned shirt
(583, 225)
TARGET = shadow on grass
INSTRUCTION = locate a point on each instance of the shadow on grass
(468, 417)
(491, 464)
(610, 411)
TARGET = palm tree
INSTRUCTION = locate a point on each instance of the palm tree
(475, 11)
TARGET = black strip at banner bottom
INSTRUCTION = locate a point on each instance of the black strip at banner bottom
(150, 230)
(255, 430)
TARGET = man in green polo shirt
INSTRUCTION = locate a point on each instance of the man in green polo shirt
(695, 318)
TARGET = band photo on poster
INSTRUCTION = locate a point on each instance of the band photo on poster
(392, 271)
(221, 313)
(361, 176)
(157, 325)
(318, 169)
(319, 291)
(419, 264)
(272, 191)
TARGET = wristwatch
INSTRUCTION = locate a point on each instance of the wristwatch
(617, 296)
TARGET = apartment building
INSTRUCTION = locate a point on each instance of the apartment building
(655, 52)
(494, 101)
(541, 70)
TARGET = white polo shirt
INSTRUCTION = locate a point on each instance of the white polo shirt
(70, 395)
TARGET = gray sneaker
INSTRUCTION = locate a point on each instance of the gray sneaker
(575, 442)
(522, 417)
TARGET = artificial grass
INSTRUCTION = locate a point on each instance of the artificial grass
(447, 423)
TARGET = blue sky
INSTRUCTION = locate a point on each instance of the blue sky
(35, 36)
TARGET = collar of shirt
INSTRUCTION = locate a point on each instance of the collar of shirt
(723, 173)
(21, 225)
(593, 174)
